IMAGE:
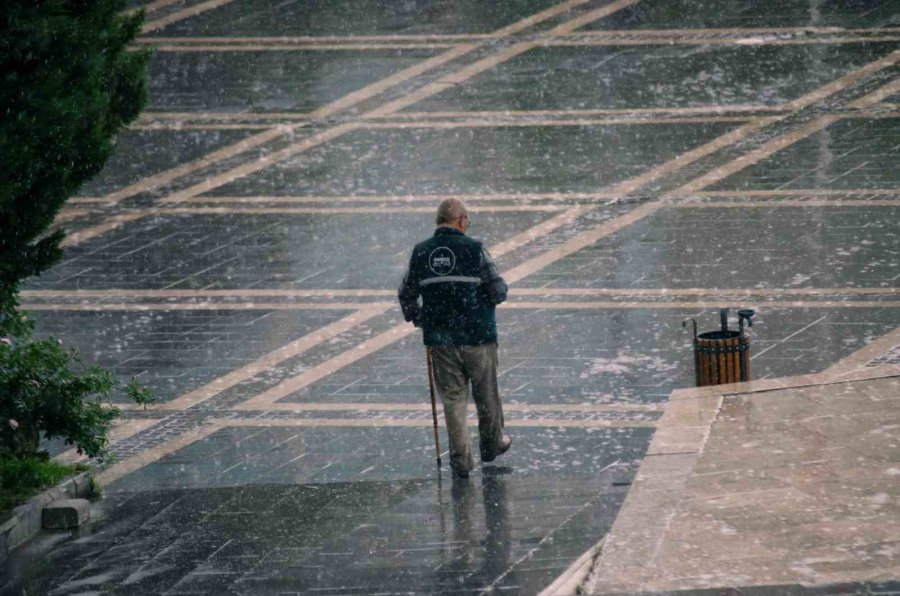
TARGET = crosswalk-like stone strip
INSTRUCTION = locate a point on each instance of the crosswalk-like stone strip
(877, 96)
(860, 358)
(412, 72)
(312, 39)
(758, 41)
(710, 114)
(425, 407)
(260, 163)
(150, 7)
(353, 98)
(426, 421)
(577, 38)
(175, 120)
(845, 81)
(332, 108)
(148, 117)
(123, 428)
(185, 306)
(387, 200)
(492, 61)
(340, 210)
(788, 203)
(502, 121)
(780, 142)
(512, 304)
(291, 350)
(195, 429)
(319, 47)
(550, 13)
(110, 224)
(248, 294)
(801, 192)
(156, 180)
(208, 126)
(153, 6)
(117, 221)
(277, 132)
(236, 293)
(737, 31)
(752, 157)
(607, 419)
(891, 357)
(631, 113)
(181, 15)
(136, 214)
(624, 305)
(147, 456)
(66, 215)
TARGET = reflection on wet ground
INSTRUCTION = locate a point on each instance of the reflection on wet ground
(266, 527)
(240, 254)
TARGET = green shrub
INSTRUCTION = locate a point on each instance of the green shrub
(48, 392)
(22, 478)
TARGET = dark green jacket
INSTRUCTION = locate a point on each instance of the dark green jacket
(450, 290)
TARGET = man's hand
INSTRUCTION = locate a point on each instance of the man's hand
(490, 278)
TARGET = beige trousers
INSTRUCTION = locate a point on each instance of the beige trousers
(455, 368)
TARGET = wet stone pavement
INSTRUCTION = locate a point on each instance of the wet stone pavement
(629, 163)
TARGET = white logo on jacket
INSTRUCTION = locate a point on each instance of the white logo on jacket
(442, 260)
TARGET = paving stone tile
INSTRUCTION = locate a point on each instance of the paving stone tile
(354, 17)
(771, 519)
(599, 357)
(680, 14)
(175, 352)
(271, 81)
(738, 248)
(142, 153)
(654, 76)
(850, 154)
(478, 519)
(496, 159)
(262, 251)
(554, 450)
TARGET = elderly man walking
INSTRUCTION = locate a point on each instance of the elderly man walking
(450, 290)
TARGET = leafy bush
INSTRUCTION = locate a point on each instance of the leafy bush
(48, 391)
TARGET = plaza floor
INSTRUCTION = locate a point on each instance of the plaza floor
(629, 163)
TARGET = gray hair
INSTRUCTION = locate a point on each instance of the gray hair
(450, 210)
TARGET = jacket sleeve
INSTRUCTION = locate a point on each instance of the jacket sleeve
(408, 295)
(490, 279)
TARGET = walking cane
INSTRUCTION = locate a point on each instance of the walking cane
(437, 441)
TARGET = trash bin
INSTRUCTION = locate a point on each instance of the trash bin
(722, 356)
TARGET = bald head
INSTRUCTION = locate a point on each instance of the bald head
(451, 212)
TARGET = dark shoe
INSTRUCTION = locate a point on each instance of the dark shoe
(505, 443)
(459, 473)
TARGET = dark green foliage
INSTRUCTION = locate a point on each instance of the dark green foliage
(47, 391)
(68, 85)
